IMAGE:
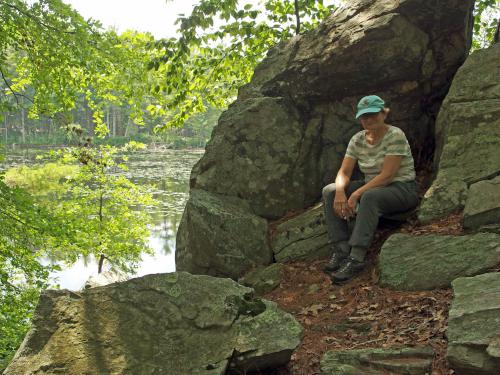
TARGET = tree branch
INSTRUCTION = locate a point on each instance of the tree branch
(9, 215)
(16, 94)
(38, 21)
(9, 86)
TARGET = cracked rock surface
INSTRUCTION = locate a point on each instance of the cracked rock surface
(173, 323)
(302, 237)
(474, 325)
(467, 140)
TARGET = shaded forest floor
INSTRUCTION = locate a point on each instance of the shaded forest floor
(361, 314)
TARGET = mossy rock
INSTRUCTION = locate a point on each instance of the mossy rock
(172, 323)
(433, 261)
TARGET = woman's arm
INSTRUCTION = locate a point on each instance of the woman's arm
(341, 181)
(389, 169)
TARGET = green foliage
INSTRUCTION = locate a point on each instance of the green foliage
(486, 17)
(26, 228)
(50, 57)
(15, 314)
(41, 180)
(206, 65)
(79, 206)
(99, 206)
(49, 43)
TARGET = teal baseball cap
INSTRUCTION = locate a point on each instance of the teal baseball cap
(370, 104)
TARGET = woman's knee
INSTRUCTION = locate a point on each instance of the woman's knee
(370, 196)
(328, 190)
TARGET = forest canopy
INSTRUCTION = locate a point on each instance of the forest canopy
(53, 61)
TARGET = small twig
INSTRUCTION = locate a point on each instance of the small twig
(363, 343)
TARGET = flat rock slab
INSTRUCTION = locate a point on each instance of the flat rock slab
(174, 323)
(264, 279)
(483, 204)
(404, 361)
(474, 325)
(302, 237)
(433, 261)
(220, 236)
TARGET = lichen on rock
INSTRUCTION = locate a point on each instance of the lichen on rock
(138, 327)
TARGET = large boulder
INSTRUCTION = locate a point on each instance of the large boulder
(474, 325)
(159, 324)
(285, 136)
(434, 261)
(220, 236)
(252, 155)
(467, 135)
(401, 361)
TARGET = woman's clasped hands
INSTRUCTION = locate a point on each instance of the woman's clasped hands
(343, 207)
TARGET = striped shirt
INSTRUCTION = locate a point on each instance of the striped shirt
(371, 157)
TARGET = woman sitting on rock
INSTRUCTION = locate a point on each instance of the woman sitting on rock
(384, 156)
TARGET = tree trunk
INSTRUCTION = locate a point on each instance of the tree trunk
(297, 17)
(126, 128)
(114, 122)
(497, 32)
(101, 204)
(101, 263)
(107, 116)
(23, 128)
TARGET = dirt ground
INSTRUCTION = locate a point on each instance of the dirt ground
(360, 314)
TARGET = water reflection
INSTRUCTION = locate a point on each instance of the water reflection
(166, 173)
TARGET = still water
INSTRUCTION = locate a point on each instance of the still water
(167, 172)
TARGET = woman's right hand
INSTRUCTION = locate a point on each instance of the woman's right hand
(340, 205)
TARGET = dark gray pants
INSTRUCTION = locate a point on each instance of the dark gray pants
(374, 203)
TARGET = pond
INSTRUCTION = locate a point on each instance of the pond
(167, 171)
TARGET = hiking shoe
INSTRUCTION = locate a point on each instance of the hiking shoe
(335, 261)
(349, 268)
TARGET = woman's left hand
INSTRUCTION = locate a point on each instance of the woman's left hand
(352, 201)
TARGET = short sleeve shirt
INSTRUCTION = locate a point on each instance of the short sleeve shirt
(371, 157)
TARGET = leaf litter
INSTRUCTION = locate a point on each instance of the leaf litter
(361, 314)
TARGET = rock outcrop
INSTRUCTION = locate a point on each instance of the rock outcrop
(474, 325)
(467, 135)
(404, 361)
(285, 136)
(434, 261)
(159, 324)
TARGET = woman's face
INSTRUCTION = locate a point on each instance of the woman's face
(371, 121)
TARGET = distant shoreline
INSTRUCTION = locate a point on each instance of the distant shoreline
(150, 146)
